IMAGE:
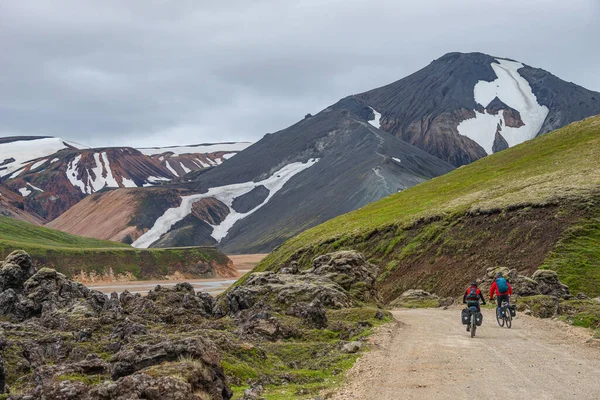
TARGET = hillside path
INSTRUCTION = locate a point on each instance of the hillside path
(427, 354)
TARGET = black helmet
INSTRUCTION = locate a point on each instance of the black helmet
(499, 274)
(474, 283)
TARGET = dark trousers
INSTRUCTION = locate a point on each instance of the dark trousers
(502, 297)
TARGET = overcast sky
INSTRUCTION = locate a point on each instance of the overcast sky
(149, 72)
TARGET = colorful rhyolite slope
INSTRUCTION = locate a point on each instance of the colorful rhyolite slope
(53, 175)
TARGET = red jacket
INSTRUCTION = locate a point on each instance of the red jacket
(494, 290)
(478, 293)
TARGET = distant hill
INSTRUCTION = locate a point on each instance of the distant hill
(52, 174)
(536, 204)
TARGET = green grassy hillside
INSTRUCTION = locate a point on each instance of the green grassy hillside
(76, 255)
(536, 204)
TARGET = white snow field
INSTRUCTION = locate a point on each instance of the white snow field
(375, 122)
(24, 191)
(226, 195)
(196, 149)
(23, 151)
(515, 92)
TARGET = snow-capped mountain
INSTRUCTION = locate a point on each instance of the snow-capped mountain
(52, 174)
(463, 107)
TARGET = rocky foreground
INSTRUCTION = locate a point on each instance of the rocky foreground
(293, 331)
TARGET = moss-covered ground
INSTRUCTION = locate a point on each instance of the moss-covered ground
(299, 367)
(72, 255)
(303, 366)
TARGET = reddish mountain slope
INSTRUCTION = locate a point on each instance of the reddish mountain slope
(11, 205)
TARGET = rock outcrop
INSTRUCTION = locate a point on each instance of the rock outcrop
(336, 280)
(542, 282)
(62, 340)
(44, 304)
(416, 298)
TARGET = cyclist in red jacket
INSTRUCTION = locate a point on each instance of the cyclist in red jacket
(501, 288)
(472, 297)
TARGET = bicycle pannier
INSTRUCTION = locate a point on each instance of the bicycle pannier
(478, 319)
(465, 316)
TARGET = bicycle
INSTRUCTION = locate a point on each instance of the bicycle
(472, 322)
(504, 315)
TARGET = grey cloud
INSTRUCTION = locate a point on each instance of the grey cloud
(157, 72)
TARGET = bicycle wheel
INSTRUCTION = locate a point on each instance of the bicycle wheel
(499, 316)
(473, 326)
(508, 318)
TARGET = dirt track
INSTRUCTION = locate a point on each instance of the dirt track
(428, 355)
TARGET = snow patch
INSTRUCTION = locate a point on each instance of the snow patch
(184, 168)
(377, 121)
(196, 149)
(37, 164)
(396, 159)
(110, 179)
(25, 192)
(128, 183)
(23, 151)
(228, 156)
(54, 160)
(157, 179)
(514, 91)
(171, 168)
(34, 187)
(225, 194)
(72, 174)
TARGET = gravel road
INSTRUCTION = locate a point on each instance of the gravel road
(427, 354)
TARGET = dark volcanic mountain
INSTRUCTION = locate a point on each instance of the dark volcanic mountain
(321, 167)
(462, 107)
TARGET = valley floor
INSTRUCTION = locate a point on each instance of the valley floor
(428, 355)
(243, 263)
